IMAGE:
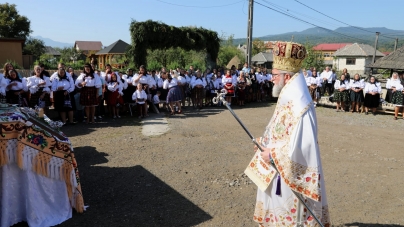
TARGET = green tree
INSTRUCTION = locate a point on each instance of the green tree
(69, 55)
(258, 46)
(227, 51)
(34, 47)
(13, 25)
(313, 59)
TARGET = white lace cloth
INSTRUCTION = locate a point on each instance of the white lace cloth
(27, 196)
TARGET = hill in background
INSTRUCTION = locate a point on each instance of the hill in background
(317, 35)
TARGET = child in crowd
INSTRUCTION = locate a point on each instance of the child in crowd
(156, 100)
(140, 97)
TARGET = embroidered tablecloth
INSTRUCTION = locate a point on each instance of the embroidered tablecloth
(39, 180)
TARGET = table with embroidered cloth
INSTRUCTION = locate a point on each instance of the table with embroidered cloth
(39, 180)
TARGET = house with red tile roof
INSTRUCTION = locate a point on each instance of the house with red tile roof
(328, 49)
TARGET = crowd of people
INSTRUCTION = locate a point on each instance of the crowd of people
(354, 94)
(95, 94)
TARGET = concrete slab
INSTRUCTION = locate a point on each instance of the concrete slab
(154, 125)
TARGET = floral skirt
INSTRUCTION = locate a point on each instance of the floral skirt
(397, 98)
(341, 96)
(357, 96)
(372, 101)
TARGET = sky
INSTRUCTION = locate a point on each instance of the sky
(107, 21)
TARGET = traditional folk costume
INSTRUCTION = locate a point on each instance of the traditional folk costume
(356, 93)
(241, 89)
(214, 86)
(341, 96)
(397, 97)
(89, 93)
(37, 90)
(3, 84)
(182, 83)
(13, 94)
(198, 87)
(372, 101)
(61, 101)
(292, 136)
(146, 81)
(114, 90)
(314, 84)
(140, 97)
(229, 83)
(174, 91)
(130, 89)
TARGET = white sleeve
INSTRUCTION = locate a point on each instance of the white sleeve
(111, 86)
(134, 96)
(24, 84)
(151, 82)
(47, 85)
(3, 85)
(336, 85)
(71, 82)
(347, 86)
(367, 88)
(165, 84)
(54, 86)
(379, 88)
(120, 88)
(79, 80)
(388, 84)
(399, 87)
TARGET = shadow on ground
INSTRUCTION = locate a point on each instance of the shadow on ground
(129, 196)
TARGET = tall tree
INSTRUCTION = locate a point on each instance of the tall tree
(12, 24)
(34, 47)
(258, 46)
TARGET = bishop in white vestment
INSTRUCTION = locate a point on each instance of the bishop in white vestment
(290, 140)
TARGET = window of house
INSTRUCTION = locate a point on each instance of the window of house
(327, 55)
(350, 61)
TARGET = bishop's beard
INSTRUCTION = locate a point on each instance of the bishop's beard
(277, 88)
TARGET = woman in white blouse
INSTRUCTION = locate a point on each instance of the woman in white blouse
(397, 92)
(229, 83)
(174, 95)
(63, 96)
(143, 78)
(39, 87)
(115, 93)
(15, 88)
(89, 82)
(341, 93)
(128, 92)
(357, 85)
(372, 97)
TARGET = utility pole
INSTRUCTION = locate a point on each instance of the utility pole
(374, 54)
(395, 44)
(249, 32)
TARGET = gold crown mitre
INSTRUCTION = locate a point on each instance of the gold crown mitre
(288, 56)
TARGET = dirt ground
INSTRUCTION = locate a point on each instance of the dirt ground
(193, 174)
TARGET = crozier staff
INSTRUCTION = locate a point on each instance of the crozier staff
(290, 140)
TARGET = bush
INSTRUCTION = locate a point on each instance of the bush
(15, 64)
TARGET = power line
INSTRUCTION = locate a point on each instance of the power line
(288, 10)
(326, 29)
(339, 20)
(205, 7)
